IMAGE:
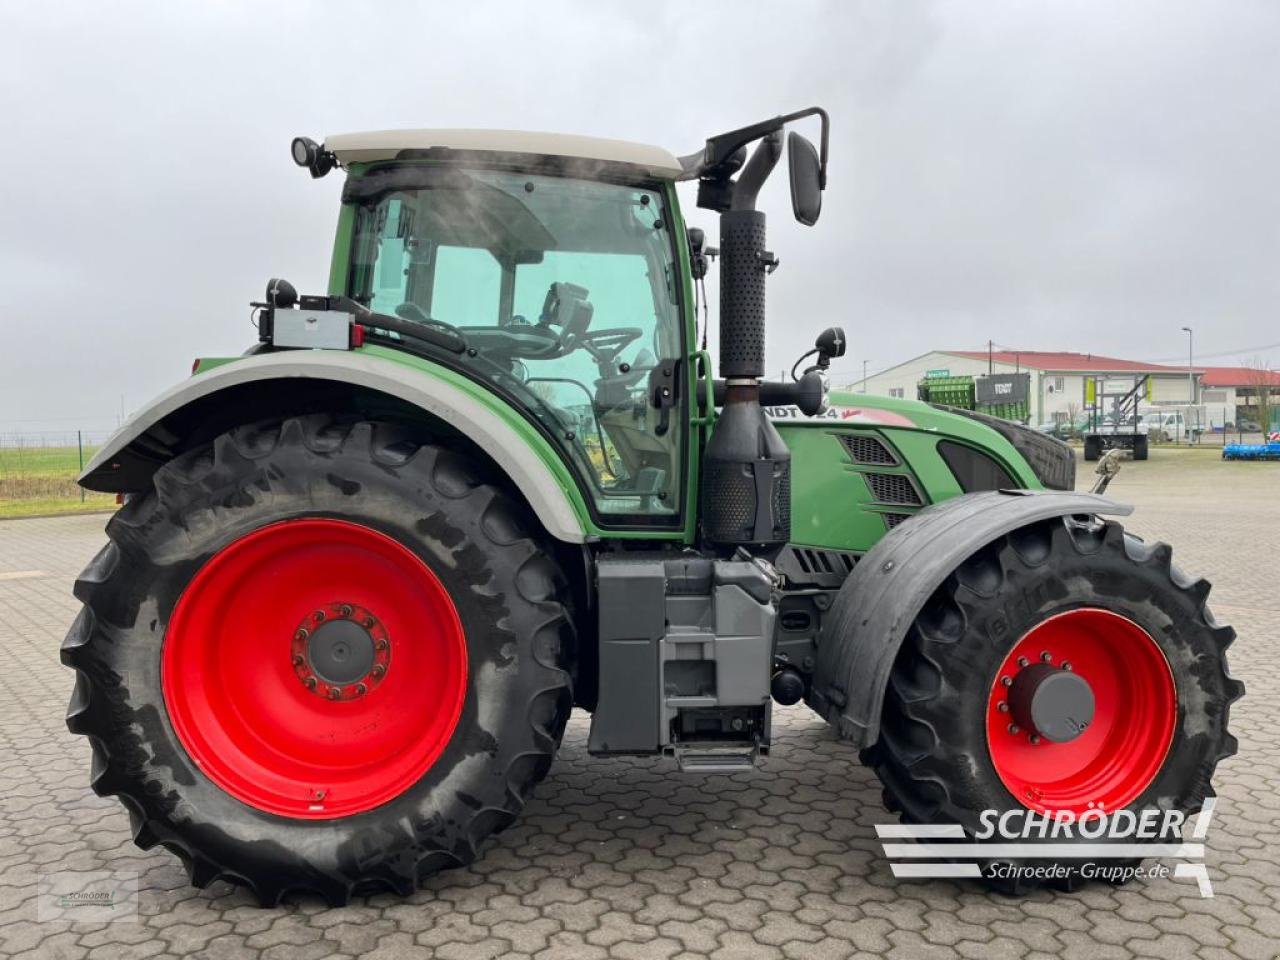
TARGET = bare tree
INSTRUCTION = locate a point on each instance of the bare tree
(1261, 379)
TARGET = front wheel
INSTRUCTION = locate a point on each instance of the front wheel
(320, 657)
(1066, 667)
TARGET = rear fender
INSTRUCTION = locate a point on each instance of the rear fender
(264, 383)
(891, 583)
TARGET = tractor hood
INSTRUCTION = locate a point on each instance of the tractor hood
(869, 463)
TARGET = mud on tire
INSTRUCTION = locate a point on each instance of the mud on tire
(475, 537)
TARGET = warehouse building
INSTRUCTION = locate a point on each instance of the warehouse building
(1238, 389)
(1057, 378)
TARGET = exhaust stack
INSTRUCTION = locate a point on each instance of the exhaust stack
(746, 483)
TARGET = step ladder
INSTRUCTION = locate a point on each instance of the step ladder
(715, 757)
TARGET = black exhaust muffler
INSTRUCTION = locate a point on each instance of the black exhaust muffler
(746, 473)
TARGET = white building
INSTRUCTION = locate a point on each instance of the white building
(1057, 379)
(1240, 386)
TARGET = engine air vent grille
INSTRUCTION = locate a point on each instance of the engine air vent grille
(866, 449)
(893, 488)
(815, 565)
(824, 561)
(891, 520)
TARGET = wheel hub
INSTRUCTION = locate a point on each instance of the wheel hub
(340, 651)
(1081, 712)
(1051, 702)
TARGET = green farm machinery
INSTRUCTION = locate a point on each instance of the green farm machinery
(1005, 396)
(364, 571)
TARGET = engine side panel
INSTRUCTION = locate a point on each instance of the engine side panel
(871, 462)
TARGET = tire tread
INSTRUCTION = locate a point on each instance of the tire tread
(451, 476)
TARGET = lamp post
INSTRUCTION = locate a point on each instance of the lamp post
(864, 376)
(1191, 381)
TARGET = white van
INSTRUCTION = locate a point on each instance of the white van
(1163, 424)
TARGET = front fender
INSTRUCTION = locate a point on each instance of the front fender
(129, 458)
(891, 583)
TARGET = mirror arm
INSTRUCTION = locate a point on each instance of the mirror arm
(721, 148)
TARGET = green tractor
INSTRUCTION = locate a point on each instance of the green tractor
(364, 571)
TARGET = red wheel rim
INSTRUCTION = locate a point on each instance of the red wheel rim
(1119, 753)
(270, 726)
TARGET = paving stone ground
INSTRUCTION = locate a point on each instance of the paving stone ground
(625, 858)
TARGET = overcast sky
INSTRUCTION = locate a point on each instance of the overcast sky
(1072, 175)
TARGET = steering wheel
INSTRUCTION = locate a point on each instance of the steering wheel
(415, 314)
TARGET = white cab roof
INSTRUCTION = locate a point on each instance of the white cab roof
(386, 144)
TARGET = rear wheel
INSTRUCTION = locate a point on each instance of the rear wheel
(320, 657)
(1140, 447)
(1065, 667)
(1092, 448)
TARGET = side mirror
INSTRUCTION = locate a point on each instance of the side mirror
(806, 179)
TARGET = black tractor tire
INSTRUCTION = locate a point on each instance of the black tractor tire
(1141, 448)
(1092, 448)
(933, 756)
(474, 535)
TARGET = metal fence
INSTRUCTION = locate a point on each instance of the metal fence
(1207, 424)
(38, 471)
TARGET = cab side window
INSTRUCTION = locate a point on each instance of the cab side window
(566, 292)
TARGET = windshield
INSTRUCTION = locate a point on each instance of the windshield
(566, 293)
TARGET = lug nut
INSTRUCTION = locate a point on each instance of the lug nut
(1066, 665)
(382, 644)
(1022, 661)
(302, 634)
(1044, 655)
(1006, 681)
(1035, 738)
(361, 689)
(1014, 728)
(1003, 707)
(297, 659)
(378, 670)
(310, 683)
(346, 610)
(334, 693)
(368, 621)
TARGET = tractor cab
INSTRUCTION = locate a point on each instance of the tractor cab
(565, 294)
